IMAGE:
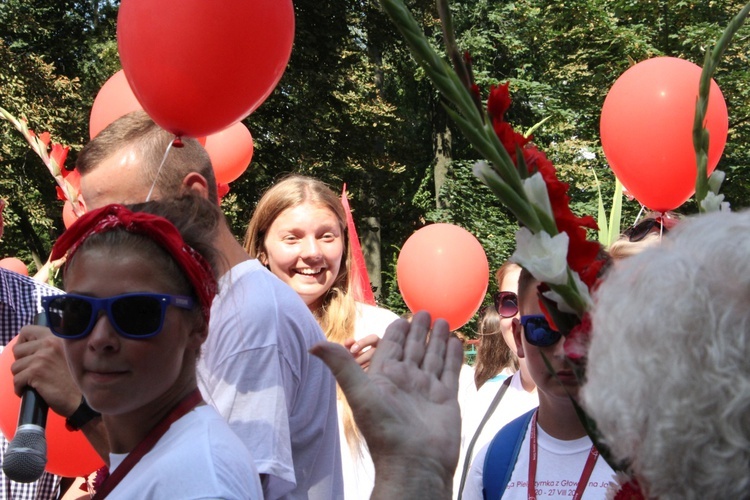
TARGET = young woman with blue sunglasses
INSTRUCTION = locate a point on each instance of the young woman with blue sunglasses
(133, 320)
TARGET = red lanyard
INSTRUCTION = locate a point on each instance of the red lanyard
(183, 407)
(533, 452)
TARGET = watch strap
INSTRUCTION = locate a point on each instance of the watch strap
(83, 415)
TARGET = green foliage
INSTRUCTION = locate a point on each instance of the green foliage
(352, 107)
(50, 68)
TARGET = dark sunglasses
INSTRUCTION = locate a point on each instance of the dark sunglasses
(133, 315)
(538, 332)
(644, 228)
(506, 304)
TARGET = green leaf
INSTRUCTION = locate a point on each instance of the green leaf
(601, 219)
(615, 216)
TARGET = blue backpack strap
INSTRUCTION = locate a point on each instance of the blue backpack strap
(501, 457)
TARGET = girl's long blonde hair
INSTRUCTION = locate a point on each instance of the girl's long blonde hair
(338, 312)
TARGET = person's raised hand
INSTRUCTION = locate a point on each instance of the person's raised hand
(406, 405)
(40, 363)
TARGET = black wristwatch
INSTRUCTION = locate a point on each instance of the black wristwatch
(83, 415)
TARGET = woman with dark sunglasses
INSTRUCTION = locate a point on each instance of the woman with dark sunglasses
(644, 234)
(133, 322)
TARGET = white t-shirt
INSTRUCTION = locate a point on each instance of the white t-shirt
(559, 467)
(198, 457)
(515, 402)
(280, 400)
(358, 469)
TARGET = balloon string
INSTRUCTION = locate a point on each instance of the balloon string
(661, 225)
(638, 217)
(158, 171)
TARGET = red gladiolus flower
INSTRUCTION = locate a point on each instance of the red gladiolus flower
(577, 342)
(498, 102)
(59, 153)
(630, 491)
(475, 91)
(590, 275)
(542, 288)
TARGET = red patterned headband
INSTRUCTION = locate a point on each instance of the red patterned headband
(155, 228)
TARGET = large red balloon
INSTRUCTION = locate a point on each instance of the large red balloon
(69, 454)
(198, 66)
(646, 130)
(115, 99)
(443, 269)
(230, 151)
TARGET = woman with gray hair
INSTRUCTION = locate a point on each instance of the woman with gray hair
(669, 363)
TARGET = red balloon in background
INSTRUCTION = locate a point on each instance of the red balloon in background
(115, 99)
(69, 454)
(646, 130)
(230, 151)
(442, 268)
(199, 66)
(14, 264)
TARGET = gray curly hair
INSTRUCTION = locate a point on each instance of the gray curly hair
(669, 363)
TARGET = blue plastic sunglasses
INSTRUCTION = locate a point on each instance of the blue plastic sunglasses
(538, 332)
(133, 315)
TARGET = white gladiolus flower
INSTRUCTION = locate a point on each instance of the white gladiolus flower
(536, 191)
(714, 203)
(715, 180)
(544, 256)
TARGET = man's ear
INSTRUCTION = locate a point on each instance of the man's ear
(195, 183)
(517, 333)
(197, 337)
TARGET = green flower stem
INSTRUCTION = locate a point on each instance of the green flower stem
(700, 133)
(485, 141)
(570, 295)
(514, 200)
(454, 90)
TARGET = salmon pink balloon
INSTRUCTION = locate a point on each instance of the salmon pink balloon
(442, 268)
(115, 99)
(14, 264)
(230, 151)
(646, 130)
(199, 66)
(69, 454)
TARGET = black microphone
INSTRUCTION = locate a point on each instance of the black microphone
(26, 455)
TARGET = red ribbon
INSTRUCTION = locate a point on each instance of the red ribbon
(360, 279)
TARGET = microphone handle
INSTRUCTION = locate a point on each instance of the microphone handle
(33, 409)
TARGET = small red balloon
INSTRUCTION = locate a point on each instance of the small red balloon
(115, 99)
(646, 130)
(199, 66)
(14, 264)
(69, 454)
(231, 151)
(442, 268)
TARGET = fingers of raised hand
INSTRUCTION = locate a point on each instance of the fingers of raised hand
(415, 348)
